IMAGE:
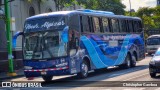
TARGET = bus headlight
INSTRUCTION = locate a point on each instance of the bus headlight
(27, 67)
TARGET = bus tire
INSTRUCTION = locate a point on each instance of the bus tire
(153, 75)
(47, 78)
(127, 63)
(84, 70)
(133, 62)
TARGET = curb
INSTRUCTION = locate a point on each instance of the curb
(12, 77)
(4, 75)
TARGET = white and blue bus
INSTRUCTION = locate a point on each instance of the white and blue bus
(76, 42)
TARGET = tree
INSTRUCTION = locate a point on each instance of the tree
(150, 17)
(111, 5)
(105, 5)
(60, 4)
(89, 4)
(145, 11)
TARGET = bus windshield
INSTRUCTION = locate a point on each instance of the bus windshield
(153, 41)
(43, 45)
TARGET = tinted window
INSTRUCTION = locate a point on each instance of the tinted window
(96, 24)
(105, 25)
(123, 26)
(130, 26)
(74, 22)
(139, 26)
(135, 26)
(115, 26)
(85, 24)
(120, 25)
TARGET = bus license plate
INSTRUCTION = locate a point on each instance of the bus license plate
(43, 73)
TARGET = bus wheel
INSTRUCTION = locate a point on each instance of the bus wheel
(127, 62)
(84, 70)
(47, 78)
(153, 75)
(133, 62)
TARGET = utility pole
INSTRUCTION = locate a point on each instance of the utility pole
(130, 7)
(9, 46)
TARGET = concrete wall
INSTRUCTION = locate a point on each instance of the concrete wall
(3, 43)
(48, 5)
(20, 10)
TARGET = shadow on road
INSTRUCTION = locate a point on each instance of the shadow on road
(157, 77)
(94, 78)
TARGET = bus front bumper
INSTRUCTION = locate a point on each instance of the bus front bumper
(47, 72)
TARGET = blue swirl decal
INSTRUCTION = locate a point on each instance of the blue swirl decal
(97, 56)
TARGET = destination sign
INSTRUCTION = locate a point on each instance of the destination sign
(44, 24)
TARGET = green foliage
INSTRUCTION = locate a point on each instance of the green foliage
(105, 5)
(89, 4)
(60, 4)
(149, 16)
(148, 22)
(127, 13)
(156, 11)
(145, 11)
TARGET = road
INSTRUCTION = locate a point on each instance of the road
(109, 79)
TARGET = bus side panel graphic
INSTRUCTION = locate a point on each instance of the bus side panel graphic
(97, 55)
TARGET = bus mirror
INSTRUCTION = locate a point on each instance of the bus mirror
(15, 38)
(64, 35)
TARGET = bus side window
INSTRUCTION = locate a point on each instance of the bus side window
(90, 20)
(123, 26)
(115, 25)
(139, 26)
(130, 26)
(127, 26)
(135, 26)
(81, 23)
(74, 23)
(96, 25)
(120, 25)
(101, 25)
(85, 24)
(105, 25)
(74, 33)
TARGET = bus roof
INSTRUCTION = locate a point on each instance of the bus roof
(95, 11)
(83, 12)
(154, 36)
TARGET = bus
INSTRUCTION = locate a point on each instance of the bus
(153, 43)
(80, 41)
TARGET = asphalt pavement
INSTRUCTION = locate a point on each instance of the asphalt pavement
(136, 78)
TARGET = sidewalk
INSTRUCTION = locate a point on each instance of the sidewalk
(4, 76)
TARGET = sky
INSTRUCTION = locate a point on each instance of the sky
(135, 4)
